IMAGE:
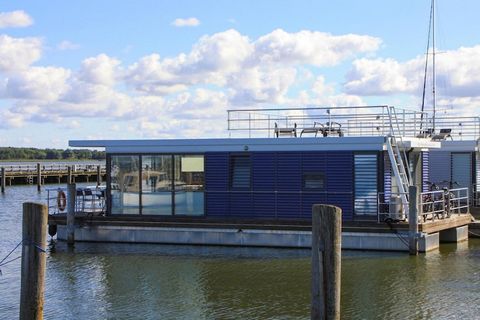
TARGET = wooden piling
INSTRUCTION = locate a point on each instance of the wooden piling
(71, 196)
(326, 262)
(39, 177)
(35, 217)
(69, 174)
(413, 220)
(3, 179)
(99, 176)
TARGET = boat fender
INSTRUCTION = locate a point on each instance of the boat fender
(52, 229)
(61, 200)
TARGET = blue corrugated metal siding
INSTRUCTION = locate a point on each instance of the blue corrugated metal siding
(462, 170)
(439, 164)
(425, 170)
(216, 183)
(277, 185)
(366, 185)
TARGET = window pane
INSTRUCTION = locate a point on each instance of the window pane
(314, 181)
(189, 184)
(157, 184)
(240, 178)
(125, 185)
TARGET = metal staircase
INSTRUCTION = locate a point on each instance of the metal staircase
(399, 160)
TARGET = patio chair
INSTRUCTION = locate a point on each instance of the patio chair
(334, 128)
(317, 127)
(443, 135)
(285, 131)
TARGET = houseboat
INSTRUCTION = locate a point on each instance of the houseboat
(258, 189)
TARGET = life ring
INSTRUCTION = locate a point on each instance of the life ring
(61, 200)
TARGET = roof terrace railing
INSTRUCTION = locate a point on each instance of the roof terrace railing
(462, 128)
(350, 121)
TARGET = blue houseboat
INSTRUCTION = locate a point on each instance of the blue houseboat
(259, 191)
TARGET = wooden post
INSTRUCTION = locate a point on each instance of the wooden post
(39, 177)
(99, 176)
(326, 262)
(413, 220)
(71, 196)
(69, 174)
(4, 180)
(34, 260)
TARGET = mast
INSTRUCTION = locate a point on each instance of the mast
(434, 98)
(431, 35)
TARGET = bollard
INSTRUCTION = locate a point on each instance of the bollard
(413, 220)
(71, 197)
(326, 262)
(69, 174)
(35, 217)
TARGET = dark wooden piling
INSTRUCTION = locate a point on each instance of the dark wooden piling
(326, 261)
(71, 196)
(35, 217)
(3, 179)
(69, 174)
(39, 177)
(99, 176)
(413, 220)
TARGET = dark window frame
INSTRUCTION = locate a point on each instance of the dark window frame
(232, 158)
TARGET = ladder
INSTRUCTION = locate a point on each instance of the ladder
(398, 160)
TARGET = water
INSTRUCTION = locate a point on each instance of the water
(120, 281)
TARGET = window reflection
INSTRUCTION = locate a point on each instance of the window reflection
(125, 186)
(189, 184)
(157, 184)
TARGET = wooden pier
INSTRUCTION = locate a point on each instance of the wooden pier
(40, 174)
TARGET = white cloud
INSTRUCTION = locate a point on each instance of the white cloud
(101, 69)
(458, 72)
(67, 45)
(15, 19)
(186, 22)
(18, 53)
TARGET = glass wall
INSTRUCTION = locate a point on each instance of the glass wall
(189, 184)
(125, 184)
(157, 184)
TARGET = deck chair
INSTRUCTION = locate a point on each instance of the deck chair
(285, 131)
(425, 133)
(443, 135)
(334, 128)
(317, 127)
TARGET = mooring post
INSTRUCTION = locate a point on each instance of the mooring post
(69, 174)
(71, 198)
(39, 177)
(326, 262)
(4, 180)
(34, 260)
(413, 220)
(99, 176)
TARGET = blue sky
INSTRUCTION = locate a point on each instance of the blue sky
(125, 69)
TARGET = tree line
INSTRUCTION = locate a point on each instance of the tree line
(11, 153)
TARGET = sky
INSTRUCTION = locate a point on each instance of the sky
(171, 69)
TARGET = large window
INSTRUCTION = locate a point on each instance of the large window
(157, 184)
(125, 184)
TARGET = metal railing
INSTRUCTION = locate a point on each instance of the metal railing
(475, 195)
(52, 167)
(352, 121)
(441, 204)
(88, 200)
(463, 128)
(390, 206)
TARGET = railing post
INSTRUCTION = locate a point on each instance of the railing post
(4, 179)
(71, 199)
(69, 174)
(34, 260)
(326, 261)
(413, 219)
(39, 177)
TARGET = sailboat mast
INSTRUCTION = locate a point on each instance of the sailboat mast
(433, 66)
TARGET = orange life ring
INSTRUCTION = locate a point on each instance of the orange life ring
(61, 200)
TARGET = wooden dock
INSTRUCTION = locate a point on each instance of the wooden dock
(40, 174)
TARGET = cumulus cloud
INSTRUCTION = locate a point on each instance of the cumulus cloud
(15, 19)
(18, 53)
(186, 22)
(101, 69)
(67, 45)
(457, 70)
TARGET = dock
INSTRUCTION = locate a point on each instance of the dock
(40, 174)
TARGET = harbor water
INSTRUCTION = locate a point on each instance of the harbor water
(128, 281)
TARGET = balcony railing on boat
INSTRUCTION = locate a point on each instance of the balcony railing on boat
(88, 200)
(351, 121)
